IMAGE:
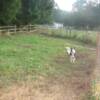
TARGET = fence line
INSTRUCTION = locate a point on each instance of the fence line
(14, 29)
(86, 36)
(30, 28)
(25, 28)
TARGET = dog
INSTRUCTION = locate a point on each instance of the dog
(71, 53)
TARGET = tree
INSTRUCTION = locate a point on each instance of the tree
(79, 5)
(59, 15)
(89, 12)
(35, 11)
(46, 11)
(8, 11)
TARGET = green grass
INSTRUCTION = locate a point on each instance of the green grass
(23, 56)
(33, 55)
(78, 35)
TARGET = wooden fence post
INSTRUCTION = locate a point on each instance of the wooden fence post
(30, 28)
(8, 31)
(15, 29)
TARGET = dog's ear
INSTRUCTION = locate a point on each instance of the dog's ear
(67, 48)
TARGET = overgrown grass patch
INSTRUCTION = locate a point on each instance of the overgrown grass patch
(26, 56)
(23, 55)
(88, 37)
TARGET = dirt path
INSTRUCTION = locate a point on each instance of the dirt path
(40, 90)
(75, 88)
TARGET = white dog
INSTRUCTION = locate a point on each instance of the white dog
(71, 52)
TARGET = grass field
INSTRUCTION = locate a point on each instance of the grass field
(31, 57)
(87, 37)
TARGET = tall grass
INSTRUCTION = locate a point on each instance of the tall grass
(88, 37)
(32, 55)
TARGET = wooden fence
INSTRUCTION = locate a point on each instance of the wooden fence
(8, 30)
(30, 28)
(64, 32)
(15, 29)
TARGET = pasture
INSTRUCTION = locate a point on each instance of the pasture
(36, 67)
(84, 36)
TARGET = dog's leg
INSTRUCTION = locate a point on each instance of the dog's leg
(71, 59)
(74, 59)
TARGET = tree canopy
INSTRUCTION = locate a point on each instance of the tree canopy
(85, 14)
(26, 11)
(8, 11)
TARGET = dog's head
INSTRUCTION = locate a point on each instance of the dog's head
(68, 50)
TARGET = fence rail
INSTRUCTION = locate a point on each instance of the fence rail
(86, 36)
(31, 28)
(14, 29)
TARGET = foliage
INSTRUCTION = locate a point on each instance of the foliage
(23, 56)
(35, 11)
(59, 15)
(8, 11)
(85, 14)
(88, 37)
(26, 11)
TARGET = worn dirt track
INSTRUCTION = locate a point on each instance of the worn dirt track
(42, 90)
